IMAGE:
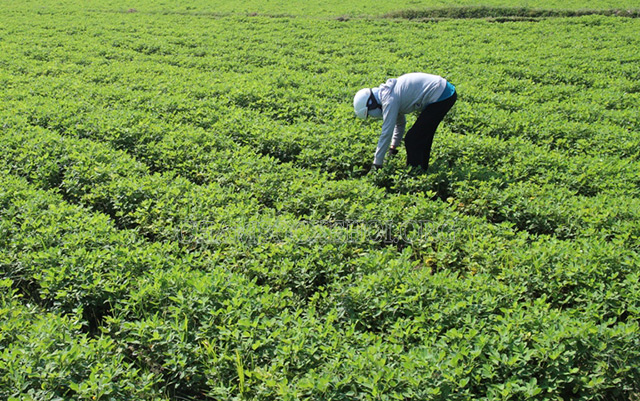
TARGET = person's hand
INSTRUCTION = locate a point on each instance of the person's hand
(393, 151)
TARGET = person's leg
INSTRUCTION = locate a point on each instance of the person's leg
(419, 138)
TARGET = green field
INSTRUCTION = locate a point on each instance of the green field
(187, 211)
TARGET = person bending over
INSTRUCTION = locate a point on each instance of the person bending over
(429, 94)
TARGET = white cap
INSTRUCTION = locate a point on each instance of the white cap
(360, 103)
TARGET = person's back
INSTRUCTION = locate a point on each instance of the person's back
(413, 91)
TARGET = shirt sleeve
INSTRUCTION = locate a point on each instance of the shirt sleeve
(398, 132)
(390, 118)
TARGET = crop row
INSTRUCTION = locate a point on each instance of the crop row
(47, 356)
(307, 146)
(346, 10)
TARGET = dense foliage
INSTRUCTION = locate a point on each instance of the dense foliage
(186, 210)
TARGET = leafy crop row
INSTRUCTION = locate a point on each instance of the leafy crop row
(335, 8)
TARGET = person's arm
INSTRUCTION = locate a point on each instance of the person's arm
(391, 117)
(398, 133)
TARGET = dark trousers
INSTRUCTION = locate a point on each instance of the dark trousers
(419, 138)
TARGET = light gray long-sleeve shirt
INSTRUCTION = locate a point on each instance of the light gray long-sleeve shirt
(406, 94)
